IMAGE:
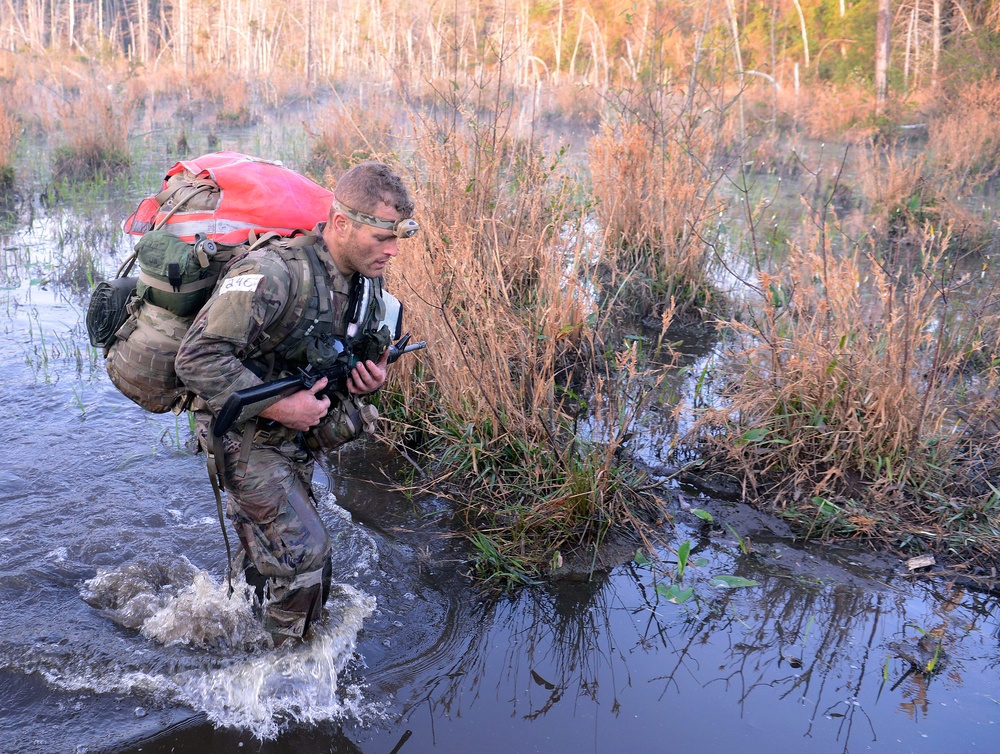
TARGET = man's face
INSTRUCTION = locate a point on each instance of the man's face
(361, 248)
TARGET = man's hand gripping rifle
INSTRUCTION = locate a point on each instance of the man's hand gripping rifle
(336, 374)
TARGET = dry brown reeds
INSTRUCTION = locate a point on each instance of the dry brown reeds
(893, 181)
(905, 190)
(655, 194)
(9, 131)
(95, 123)
(832, 113)
(344, 134)
(861, 401)
(495, 281)
(964, 136)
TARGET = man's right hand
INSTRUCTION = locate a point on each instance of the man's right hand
(302, 410)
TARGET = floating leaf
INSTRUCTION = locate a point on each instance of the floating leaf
(733, 582)
(640, 558)
(674, 593)
(703, 514)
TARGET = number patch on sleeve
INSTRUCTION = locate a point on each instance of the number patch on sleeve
(241, 283)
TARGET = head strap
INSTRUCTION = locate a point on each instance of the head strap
(402, 228)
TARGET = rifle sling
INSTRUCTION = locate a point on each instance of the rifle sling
(215, 456)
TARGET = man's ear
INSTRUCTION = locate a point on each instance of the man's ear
(341, 223)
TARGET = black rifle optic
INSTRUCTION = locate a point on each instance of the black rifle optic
(336, 374)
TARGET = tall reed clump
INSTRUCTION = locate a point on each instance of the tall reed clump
(95, 125)
(904, 191)
(347, 133)
(9, 129)
(860, 401)
(506, 412)
(964, 138)
(655, 194)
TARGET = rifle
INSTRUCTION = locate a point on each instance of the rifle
(337, 375)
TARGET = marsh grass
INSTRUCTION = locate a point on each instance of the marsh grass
(905, 189)
(654, 197)
(860, 399)
(95, 124)
(9, 131)
(965, 135)
(834, 113)
(517, 409)
(347, 133)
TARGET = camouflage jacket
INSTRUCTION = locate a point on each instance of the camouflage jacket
(250, 316)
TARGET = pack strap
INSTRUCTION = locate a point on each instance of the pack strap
(216, 461)
(215, 456)
(197, 285)
(167, 194)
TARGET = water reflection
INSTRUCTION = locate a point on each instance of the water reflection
(799, 657)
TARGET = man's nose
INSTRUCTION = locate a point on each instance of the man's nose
(392, 248)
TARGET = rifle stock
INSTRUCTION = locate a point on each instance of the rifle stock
(337, 376)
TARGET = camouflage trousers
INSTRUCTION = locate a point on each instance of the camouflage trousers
(285, 547)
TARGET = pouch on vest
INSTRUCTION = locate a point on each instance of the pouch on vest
(141, 359)
(349, 418)
(176, 275)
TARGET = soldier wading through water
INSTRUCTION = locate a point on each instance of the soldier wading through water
(269, 317)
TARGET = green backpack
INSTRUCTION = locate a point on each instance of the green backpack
(176, 275)
(140, 321)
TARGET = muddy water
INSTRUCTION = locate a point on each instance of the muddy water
(117, 633)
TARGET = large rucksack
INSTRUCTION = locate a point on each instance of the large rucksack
(210, 211)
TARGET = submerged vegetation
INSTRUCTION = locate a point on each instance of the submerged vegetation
(584, 195)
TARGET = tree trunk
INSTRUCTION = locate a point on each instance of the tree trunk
(882, 28)
(935, 42)
(805, 37)
(735, 29)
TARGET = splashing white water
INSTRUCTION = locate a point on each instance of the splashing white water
(254, 688)
(297, 682)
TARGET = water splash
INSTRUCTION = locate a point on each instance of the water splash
(294, 683)
(228, 670)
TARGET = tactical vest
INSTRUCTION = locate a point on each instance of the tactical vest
(314, 309)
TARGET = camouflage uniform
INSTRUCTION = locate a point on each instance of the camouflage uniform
(269, 483)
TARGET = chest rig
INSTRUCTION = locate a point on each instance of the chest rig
(321, 307)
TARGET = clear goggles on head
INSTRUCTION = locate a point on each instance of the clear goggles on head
(404, 228)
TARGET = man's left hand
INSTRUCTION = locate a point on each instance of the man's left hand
(368, 376)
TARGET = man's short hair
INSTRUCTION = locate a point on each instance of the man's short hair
(369, 184)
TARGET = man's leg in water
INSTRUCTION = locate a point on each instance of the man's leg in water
(282, 534)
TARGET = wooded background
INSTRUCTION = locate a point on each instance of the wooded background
(903, 45)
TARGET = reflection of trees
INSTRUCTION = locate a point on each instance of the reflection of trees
(959, 617)
(558, 647)
(813, 645)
